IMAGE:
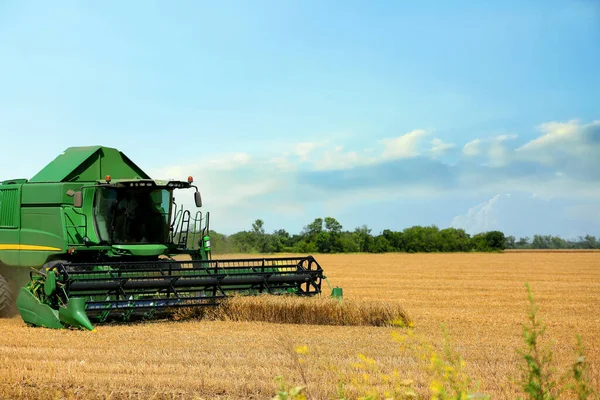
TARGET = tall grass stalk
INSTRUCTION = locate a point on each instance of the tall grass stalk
(536, 375)
(581, 385)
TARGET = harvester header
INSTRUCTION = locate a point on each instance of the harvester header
(92, 237)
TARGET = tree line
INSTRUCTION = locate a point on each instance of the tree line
(587, 242)
(326, 235)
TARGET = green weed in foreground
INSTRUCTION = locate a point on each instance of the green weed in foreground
(536, 373)
(538, 379)
(446, 373)
(579, 374)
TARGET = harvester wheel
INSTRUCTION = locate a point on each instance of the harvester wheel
(6, 302)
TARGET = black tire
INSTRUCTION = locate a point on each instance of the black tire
(6, 301)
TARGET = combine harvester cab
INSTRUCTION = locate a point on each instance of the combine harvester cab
(92, 237)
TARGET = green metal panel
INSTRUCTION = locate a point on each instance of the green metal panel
(9, 224)
(48, 193)
(9, 207)
(42, 235)
(84, 218)
(64, 164)
(89, 164)
(34, 312)
(42, 226)
(75, 227)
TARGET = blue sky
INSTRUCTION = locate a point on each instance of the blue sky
(480, 115)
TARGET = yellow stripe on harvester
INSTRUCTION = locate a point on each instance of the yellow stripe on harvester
(28, 247)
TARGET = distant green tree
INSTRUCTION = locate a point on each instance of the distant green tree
(323, 242)
(523, 243)
(349, 242)
(510, 242)
(381, 245)
(478, 242)
(334, 231)
(258, 227)
(294, 241)
(244, 242)
(541, 242)
(363, 238)
(311, 230)
(220, 244)
(304, 246)
(489, 241)
(557, 242)
(589, 242)
(496, 240)
(395, 239)
(422, 239)
(332, 225)
(262, 243)
(280, 241)
(452, 239)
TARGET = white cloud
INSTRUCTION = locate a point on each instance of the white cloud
(541, 196)
(242, 192)
(336, 159)
(320, 157)
(172, 172)
(304, 149)
(498, 153)
(560, 140)
(339, 159)
(282, 163)
(228, 161)
(480, 218)
(554, 133)
(503, 138)
(404, 146)
(439, 147)
(472, 148)
(230, 182)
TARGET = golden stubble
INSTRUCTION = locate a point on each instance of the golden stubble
(481, 298)
(292, 309)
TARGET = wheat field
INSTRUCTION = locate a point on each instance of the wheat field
(481, 299)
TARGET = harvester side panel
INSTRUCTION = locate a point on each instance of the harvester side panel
(10, 222)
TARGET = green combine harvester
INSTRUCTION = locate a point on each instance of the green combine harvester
(92, 237)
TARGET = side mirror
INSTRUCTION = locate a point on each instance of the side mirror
(78, 199)
(198, 199)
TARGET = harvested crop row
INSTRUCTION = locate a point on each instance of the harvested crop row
(302, 310)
